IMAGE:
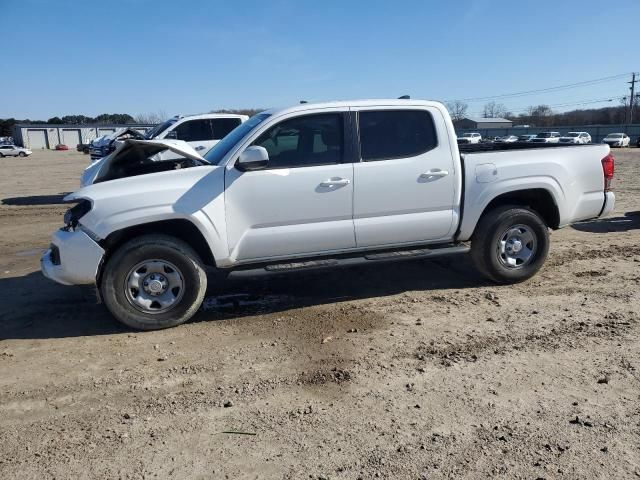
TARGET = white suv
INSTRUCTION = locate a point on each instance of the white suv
(547, 137)
(470, 138)
(576, 137)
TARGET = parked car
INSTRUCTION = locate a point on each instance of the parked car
(617, 140)
(526, 138)
(470, 138)
(14, 151)
(576, 137)
(201, 131)
(546, 137)
(507, 139)
(83, 147)
(104, 145)
(638, 142)
(300, 188)
(62, 146)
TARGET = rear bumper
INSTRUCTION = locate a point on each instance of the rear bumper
(609, 204)
(73, 258)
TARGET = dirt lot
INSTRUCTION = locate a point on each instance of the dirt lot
(414, 370)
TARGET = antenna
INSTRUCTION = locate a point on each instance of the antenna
(404, 97)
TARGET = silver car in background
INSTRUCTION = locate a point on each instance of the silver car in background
(14, 151)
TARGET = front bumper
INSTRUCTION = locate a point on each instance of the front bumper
(73, 259)
(609, 204)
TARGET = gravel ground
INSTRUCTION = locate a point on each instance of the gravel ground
(415, 370)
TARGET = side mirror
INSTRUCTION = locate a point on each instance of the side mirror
(173, 135)
(253, 158)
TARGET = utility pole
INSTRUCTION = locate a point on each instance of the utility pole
(632, 97)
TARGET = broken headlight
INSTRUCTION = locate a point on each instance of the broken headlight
(75, 213)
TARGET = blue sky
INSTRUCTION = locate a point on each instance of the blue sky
(140, 56)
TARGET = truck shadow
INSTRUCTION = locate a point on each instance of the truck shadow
(33, 307)
(630, 221)
(35, 200)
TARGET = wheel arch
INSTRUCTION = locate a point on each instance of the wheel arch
(539, 200)
(179, 228)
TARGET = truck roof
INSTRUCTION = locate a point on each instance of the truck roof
(382, 102)
(210, 115)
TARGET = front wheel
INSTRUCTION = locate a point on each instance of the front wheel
(153, 282)
(510, 244)
(22, 154)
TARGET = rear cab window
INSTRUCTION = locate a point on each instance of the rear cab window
(395, 134)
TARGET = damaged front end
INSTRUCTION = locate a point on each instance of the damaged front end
(141, 157)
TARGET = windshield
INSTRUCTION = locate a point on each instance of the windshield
(524, 137)
(615, 135)
(220, 149)
(573, 134)
(544, 135)
(155, 131)
(467, 135)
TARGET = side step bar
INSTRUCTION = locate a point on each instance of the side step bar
(362, 259)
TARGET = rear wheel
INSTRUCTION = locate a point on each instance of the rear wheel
(153, 282)
(510, 244)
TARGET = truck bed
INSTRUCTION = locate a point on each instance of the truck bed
(571, 174)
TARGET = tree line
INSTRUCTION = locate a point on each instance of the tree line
(535, 115)
(6, 124)
(545, 116)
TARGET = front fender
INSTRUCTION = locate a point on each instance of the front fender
(194, 194)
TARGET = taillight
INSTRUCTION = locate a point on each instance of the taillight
(607, 169)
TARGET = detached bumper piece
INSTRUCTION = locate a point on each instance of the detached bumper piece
(72, 259)
(609, 204)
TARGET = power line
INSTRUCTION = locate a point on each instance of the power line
(584, 102)
(547, 90)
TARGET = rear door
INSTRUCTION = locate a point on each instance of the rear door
(302, 202)
(404, 187)
(7, 150)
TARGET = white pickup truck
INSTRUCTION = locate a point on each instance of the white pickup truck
(319, 186)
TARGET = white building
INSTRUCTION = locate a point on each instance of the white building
(42, 136)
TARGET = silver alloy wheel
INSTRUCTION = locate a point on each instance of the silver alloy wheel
(154, 286)
(516, 246)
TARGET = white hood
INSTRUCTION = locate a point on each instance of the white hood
(137, 150)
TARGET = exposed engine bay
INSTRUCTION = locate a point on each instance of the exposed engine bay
(141, 157)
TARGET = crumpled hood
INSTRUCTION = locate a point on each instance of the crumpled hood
(137, 150)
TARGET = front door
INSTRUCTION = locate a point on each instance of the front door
(301, 203)
(405, 187)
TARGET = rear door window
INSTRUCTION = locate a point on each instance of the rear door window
(391, 134)
(194, 131)
(222, 126)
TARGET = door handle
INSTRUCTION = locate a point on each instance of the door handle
(200, 147)
(335, 182)
(434, 173)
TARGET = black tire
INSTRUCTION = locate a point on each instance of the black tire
(494, 227)
(120, 299)
(22, 154)
(1, 155)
